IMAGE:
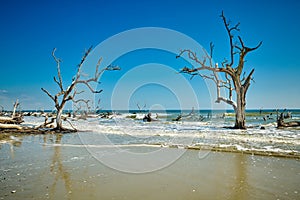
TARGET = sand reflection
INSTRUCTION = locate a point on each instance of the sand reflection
(60, 172)
(241, 184)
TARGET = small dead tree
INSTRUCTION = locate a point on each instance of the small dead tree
(78, 105)
(234, 78)
(141, 109)
(14, 119)
(68, 94)
(16, 105)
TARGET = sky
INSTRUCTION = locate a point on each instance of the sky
(31, 29)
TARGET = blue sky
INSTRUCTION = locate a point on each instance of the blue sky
(31, 29)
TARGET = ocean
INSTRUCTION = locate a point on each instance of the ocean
(202, 129)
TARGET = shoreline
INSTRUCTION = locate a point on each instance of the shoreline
(7, 137)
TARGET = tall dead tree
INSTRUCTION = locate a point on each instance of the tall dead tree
(234, 79)
(68, 94)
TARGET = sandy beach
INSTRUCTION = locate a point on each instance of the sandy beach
(150, 100)
(67, 172)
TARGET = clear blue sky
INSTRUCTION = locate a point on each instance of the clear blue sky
(31, 29)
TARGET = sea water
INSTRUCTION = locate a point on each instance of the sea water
(198, 129)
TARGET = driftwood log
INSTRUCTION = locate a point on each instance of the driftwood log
(10, 126)
(282, 124)
(11, 120)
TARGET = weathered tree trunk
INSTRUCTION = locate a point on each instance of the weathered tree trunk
(58, 118)
(240, 117)
(240, 120)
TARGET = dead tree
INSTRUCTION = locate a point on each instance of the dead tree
(234, 80)
(78, 105)
(66, 94)
(14, 119)
(141, 109)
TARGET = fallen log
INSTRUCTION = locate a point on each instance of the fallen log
(288, 124)
(282, 124)
(10, 126)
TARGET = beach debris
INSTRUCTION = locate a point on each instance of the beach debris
(178, 118)
(14, 121)
(191, 116)
(13, 191)
(148, 118)
(15, 118)
(106, 115)
(282, 124)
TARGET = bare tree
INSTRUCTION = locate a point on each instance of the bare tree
(79, 108)
(234, 78)
(141, 109)
(16, 105)
(68, 94)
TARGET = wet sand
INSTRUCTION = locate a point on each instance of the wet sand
(38, 171)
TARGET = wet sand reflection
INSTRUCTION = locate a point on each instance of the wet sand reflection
(59, 171)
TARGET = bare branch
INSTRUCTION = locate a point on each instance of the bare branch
(112, 68)
(71, 124)
(48, 94)
(246, 84)
(244, 50)
(84, 56)
(202, 64)
(96, 76)
(86, 101)
(209, 77)
(228, 101)
(229, 32)
(57, 60)
(212, 46)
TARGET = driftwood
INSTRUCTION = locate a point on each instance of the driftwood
(15, 118)
(28, 130)
(11, 120)
(10, 126)
(148, 118)
(282, 124)
(178, 118)
(191, 114)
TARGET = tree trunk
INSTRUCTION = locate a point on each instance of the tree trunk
(240, 109)
(58, 119)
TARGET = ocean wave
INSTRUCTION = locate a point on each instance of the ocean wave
(209, 133)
